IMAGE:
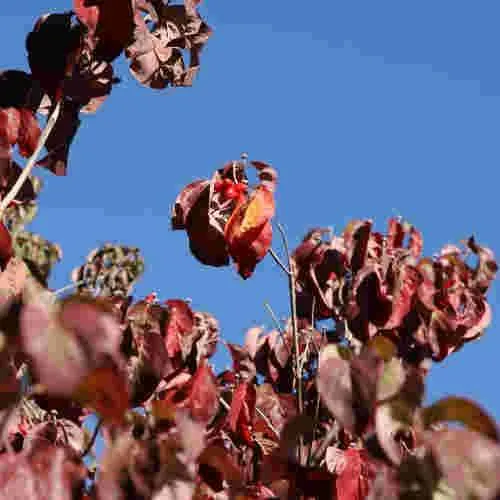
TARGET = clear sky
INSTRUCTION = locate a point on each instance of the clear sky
(366, 109)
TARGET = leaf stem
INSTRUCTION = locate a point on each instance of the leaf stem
(10, 196)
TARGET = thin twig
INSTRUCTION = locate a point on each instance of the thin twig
(274, 318)
(69, 287)
(14, 190)
(278, 261)
(90, 444)
(224, 403)
(295, 330)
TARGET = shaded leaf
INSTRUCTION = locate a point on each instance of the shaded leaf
(469, 462)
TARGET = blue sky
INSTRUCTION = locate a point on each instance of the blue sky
(367, 109)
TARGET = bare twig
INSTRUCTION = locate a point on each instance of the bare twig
(295, 332)
(10, 196)
(274, 318)
(278, 261)
(90, 444)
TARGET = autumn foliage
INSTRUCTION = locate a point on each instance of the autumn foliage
(328, 405)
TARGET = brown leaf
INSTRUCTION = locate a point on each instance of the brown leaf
(464, 411)
(156, 56)
(104, 390)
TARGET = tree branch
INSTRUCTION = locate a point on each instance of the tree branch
(11, 195)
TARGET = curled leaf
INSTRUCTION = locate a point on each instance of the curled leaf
(464, 411)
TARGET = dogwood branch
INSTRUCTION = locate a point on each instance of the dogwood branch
(11, 195)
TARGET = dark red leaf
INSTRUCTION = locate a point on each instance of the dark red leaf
(19, 90)
(110, 25)
(53, 49)
(185, 201)
(356, 236)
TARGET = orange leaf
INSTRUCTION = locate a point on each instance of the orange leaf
(104, 390)
(248, 232)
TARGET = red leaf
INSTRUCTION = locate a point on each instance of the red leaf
(416, 243)
(10, 122)
(6, 251)
(402, 300)
(29, 133)
(356, 236)
(355, 475)
(180, 323)
(241, 414)
(395, 234)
